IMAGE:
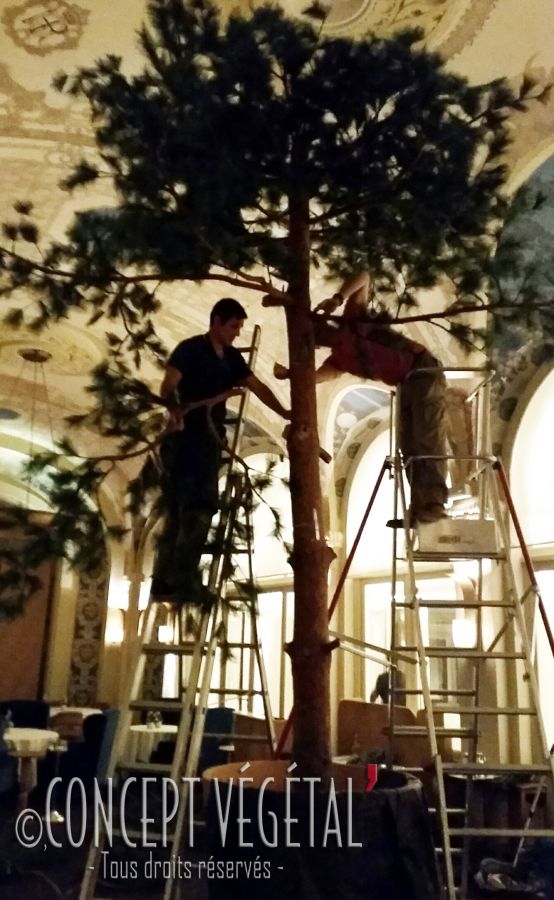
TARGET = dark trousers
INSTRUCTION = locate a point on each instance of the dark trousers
(190, 495)
(423, 431)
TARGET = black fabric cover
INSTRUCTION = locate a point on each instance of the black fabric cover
(396, 862)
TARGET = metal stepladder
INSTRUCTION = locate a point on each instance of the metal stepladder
(196, 664)
(479, 692)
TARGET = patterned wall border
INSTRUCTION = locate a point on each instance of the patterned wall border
(88, 639)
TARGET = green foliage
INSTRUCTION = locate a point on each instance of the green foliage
(232, 137)
(211, 146)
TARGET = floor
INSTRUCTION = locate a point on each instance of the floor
(47, 872)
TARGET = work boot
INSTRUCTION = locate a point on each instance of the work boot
(425, 515)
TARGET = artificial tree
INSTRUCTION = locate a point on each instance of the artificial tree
(251, 152)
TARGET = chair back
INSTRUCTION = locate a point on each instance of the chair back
(27, 713)
(363, 724)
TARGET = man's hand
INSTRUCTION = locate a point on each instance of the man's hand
(175, 421)
(327, 307)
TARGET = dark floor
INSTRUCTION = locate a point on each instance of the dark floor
(47, 872)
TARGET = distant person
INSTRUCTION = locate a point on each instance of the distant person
(382, 687)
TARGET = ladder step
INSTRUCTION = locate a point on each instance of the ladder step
(447, 556)
(261, 738)
(161, 705)
(451, 811)
(440, 692)
(185, 649)
(236, 692)
(501, 832)
(440, 731)
(484, 710)
(469, 768)
(455, 604)
(464, 653)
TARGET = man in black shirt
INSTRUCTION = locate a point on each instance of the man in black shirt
(202, 368)
(383, 686)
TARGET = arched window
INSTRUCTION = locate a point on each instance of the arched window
(532, 484)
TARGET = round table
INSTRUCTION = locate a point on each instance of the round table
(143, 740)
(27, 745)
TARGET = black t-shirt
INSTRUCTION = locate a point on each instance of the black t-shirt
(205, 374)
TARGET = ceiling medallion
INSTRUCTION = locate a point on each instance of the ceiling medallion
(385, 16)
(42, 26)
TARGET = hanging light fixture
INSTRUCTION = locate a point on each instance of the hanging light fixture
(37, 357)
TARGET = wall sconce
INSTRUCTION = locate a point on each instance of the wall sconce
(464, 633)
(144, 594)
(118, 597)
(115, 626)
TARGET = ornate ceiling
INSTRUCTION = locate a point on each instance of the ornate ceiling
(41, 132)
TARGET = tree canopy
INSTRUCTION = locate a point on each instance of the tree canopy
(228, 124)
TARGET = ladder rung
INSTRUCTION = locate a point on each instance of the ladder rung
(502, 832)
(187, 648)
(465, 653)
(450, 810)
(184, 649)
(440, 730)
(454, 604)
(435, 556)
(476, 768)
(237, 737)
(161, 705)
(484, 710)
(237, 692)
(441, 692)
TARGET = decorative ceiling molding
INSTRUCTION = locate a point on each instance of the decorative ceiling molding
(468, 26)
(44, 26)
(27, 113)
(533, 133)
(353, 18)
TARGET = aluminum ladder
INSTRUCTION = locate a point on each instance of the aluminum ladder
(196, 657)
(483, 710)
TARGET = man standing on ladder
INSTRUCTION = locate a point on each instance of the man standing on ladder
(366, 346)
(202, 368)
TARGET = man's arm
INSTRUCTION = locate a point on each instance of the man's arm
(170, 381)
(168, 391)
(327, 371)
(266, 395)
(355, 291)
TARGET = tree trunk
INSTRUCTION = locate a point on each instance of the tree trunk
(311, 557)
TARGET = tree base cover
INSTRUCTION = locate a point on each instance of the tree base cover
(396, 860)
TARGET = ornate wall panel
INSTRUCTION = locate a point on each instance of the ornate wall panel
(88, 640)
